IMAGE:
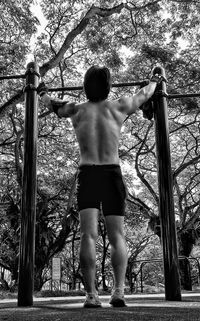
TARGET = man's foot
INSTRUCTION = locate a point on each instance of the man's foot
(117, 298)
(92, 301)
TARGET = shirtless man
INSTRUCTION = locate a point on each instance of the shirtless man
(97, 124)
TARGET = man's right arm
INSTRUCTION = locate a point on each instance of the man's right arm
(130, 105)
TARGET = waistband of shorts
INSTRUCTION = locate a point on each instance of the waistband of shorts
(103, 166)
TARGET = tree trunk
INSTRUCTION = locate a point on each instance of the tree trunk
(3, 282)
(103, 274)
(14, 275)
(131, 276)
(186, 243)
(185, 274)
(38, 280)
(73, 262)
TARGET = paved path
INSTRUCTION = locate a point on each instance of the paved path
(140, 308)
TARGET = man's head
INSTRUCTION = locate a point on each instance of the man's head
(97, 82)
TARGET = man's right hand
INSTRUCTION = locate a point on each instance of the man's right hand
(42, 89)
(157, 78)
(147, 107)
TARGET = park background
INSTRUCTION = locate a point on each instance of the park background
(130, 38)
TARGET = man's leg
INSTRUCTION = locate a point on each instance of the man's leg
(114, 225)
(89, 233)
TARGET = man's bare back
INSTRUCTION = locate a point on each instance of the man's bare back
(97, 127)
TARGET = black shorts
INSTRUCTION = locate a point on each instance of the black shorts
(101, 187)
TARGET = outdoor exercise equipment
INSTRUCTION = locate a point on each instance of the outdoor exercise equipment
(28, 205)
(165, 185)
(29, 185)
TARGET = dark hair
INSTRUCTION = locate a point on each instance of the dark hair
(97, 82)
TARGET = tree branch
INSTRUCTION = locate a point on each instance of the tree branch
(139, 174)
(184, 166)
(92, 12)
(192, 220)
(17, 98)
(141, 205)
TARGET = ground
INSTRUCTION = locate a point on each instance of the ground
(140, 308)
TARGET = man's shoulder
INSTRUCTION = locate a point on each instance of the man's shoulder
(117, 104)
(127, 104)
(81, 105)
(79, 110)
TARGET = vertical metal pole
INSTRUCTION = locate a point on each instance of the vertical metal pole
(166, 201)
(28, 204)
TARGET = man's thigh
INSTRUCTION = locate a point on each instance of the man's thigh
(89, 221)
(114, 226)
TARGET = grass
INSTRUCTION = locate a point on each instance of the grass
(6, 294)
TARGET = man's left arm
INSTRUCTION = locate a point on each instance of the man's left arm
(60, 107)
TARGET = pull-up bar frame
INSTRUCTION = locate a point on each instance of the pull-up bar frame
(165, 188)
(28, 208)
(176, 96)
(29, 187)
(12, 77)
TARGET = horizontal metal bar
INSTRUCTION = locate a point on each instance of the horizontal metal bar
(12, 77)
(171, 96)
(130, 84)
(124, 84)
(65, 88)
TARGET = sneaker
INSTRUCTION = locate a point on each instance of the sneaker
(92, 301)
(117, 299)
